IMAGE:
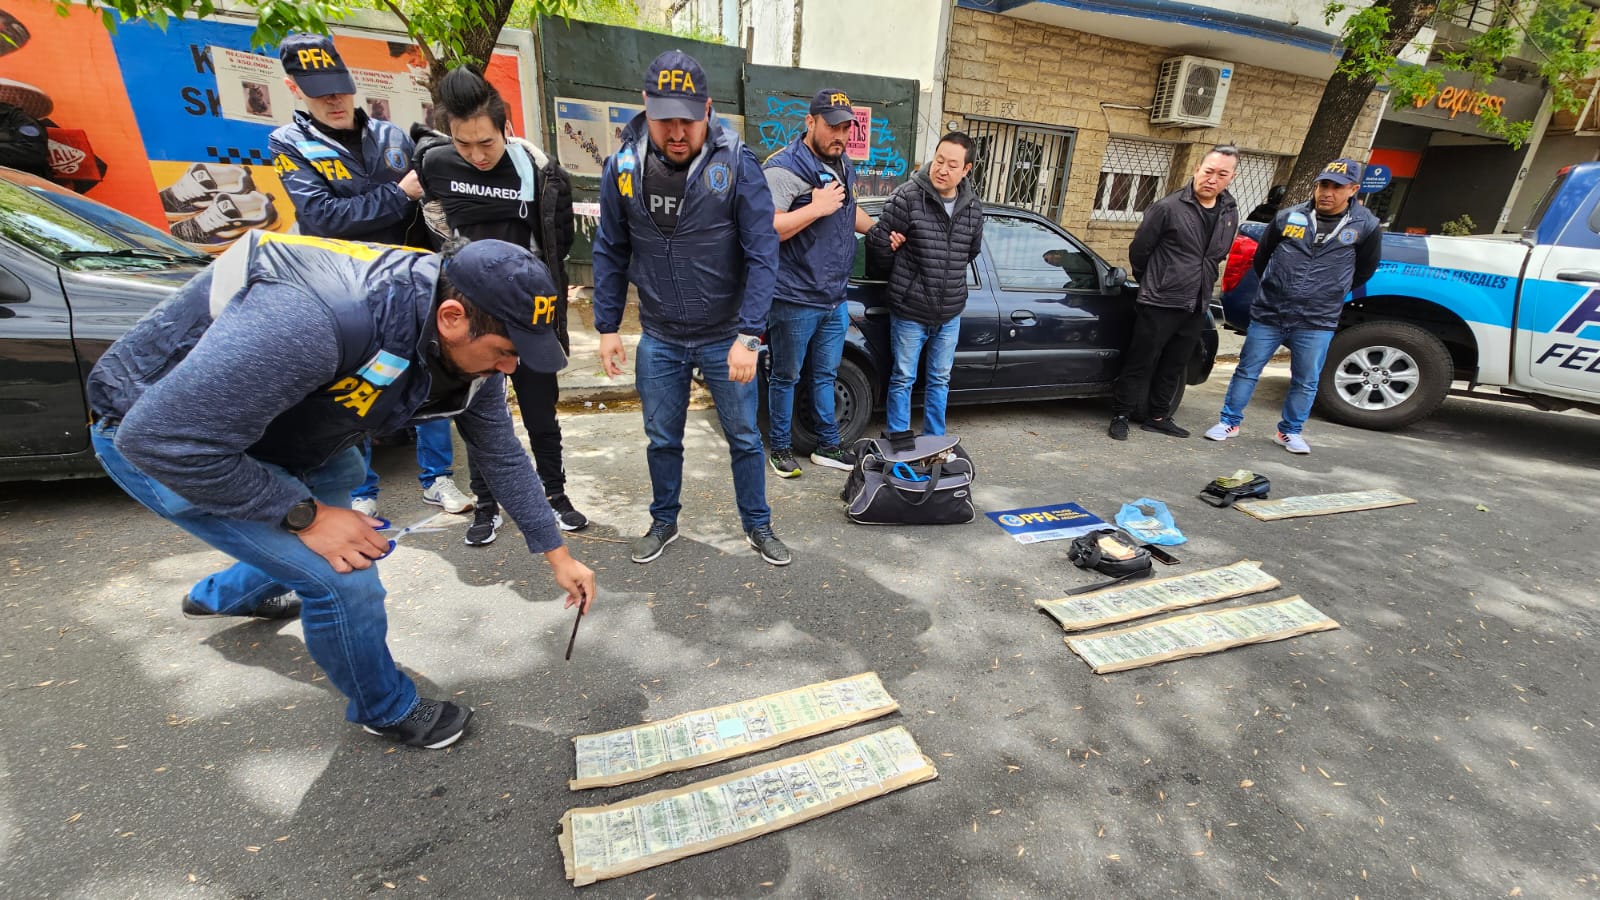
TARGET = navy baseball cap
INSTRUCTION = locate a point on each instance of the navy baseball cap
(1341, 171)
(833, 105)
(315, 66)
(675, 87)
(514, 287)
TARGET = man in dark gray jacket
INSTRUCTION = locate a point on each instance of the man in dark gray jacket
(234, 410)
(1175, 254)
(929, 232)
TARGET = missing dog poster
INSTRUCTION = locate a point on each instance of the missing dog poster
(250, 87)
(394, 97)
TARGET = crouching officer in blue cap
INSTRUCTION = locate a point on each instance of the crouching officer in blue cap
(686, 216)
(235, 410)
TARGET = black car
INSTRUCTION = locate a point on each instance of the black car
(1046, 318)
(74, 275)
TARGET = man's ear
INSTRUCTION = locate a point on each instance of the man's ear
(451, 318)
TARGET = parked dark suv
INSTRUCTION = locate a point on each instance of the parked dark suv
(74, 275)
(1046, 318)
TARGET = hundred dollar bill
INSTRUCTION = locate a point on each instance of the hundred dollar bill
(734, 729)
(1143, 598)
(1198, 633)
(1321, 504)
(608, 841)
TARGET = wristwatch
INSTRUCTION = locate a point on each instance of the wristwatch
(300, 516)
(749, 342)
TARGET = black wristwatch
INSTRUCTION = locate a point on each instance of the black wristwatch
(749, 342)
(300, 516)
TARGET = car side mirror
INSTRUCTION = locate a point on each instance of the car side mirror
(12, 288)
(1116, 278)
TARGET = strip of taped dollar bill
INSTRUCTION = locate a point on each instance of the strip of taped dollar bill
(1146, 598)
(1195, 634)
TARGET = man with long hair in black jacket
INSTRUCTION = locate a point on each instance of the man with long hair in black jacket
(488, 186)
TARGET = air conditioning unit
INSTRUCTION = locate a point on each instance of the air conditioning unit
(1191, 92)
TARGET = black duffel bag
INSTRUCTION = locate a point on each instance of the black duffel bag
(902, 480)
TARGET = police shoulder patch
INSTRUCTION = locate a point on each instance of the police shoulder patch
(396, 158)
(1347, 236)
(316, 150)
(718, 177)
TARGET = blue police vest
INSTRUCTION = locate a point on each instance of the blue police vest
(1305, 281)
(814, 265)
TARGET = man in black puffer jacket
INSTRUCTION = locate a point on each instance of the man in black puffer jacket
(929, 233)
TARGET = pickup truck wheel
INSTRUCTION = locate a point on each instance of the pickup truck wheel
(1384, 375)
(852, 408)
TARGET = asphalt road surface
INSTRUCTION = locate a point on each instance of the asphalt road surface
(1440, 743)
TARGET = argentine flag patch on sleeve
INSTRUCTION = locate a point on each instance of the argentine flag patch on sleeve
(383, 369)
(316, 150)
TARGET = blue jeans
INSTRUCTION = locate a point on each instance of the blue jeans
(661, 373)
(794, 331)
(1308, 349)
(434, 457)
(342, 615)
(906, 339)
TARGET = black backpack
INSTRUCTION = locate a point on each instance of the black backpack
(1225, 491)
(1089, 551)
(24, 142)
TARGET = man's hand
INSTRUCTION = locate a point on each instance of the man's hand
(612, 354)
(896, 239)
(411, 185)
(827, 200)
(741, 363)
(345, 538)
(574, 577)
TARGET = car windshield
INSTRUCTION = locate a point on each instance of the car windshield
(78, 233)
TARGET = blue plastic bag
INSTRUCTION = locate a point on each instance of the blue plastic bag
(1149, 521)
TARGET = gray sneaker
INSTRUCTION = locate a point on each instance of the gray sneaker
(767, 544)
(650, 545)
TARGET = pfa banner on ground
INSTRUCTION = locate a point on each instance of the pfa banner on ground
(1056, 522)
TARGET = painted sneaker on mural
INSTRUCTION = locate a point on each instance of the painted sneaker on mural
(215, 228)
(13, 34)
(201, 185)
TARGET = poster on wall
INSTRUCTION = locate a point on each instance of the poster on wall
(251, 87)
(859, 144)
(619, 114)
(186, 149)
(582, 144)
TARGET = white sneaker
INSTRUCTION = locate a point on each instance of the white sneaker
(444, 493)
(367, 506)
(1221, 432)
(1293, 443)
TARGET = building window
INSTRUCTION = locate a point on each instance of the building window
(1133, 175)
(1021, 164)
(1254, 178)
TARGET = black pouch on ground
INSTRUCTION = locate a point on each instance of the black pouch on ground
(1109, 551)
(925, 481)
(1226, 490)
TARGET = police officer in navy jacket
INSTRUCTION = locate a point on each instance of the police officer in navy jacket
(685, 215)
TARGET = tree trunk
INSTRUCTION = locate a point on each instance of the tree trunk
(1344, 97)
(477, 39)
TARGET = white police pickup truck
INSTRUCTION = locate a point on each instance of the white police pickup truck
(1517, 313)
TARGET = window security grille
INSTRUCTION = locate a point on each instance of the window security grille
(1253, 180)
(1133, 175)
(1021, 164)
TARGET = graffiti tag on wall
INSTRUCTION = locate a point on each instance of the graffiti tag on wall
(883, 169)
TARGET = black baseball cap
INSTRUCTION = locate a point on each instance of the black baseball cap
(675, 87)
(1341, 171)
(514, 287)
(315, 65)
(833, 105)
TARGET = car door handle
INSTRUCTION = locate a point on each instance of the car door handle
(1579, 275)
(1024, 317)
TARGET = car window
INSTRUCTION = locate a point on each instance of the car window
(35, 219)
(1032, 256)
(858, 267)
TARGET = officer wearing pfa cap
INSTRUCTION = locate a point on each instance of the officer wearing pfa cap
(686, 216)
(813, 188)
(235, 407)
(1311, 256)
(347, 173)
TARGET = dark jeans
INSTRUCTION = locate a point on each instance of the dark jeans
(1157, 357)
(537, 393)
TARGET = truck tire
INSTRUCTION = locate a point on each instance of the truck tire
(852, 408)
(1384, 375)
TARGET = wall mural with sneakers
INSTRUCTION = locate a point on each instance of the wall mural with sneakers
(171, 127)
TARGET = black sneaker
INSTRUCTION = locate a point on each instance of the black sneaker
(285, 607)
(1118, 430)
(1165, 426)
(485, 525)
(654, 541)
(783, 463)
(433, 724)
(767, 544)
(568, 518)
(834, 457)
